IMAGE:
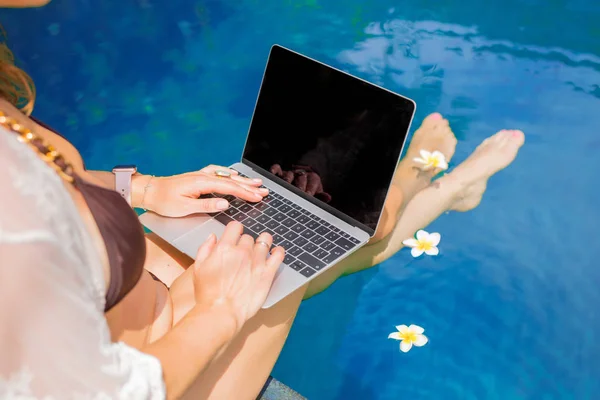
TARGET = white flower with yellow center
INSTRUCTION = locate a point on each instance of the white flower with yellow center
(409, 336)
(431, 160)
(424, 243)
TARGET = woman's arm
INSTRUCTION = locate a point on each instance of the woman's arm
(232, 278)
(423, 209)
(186, 350)
(138, 183)
(55, 340)
(180, 195)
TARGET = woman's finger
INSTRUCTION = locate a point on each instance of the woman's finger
(247, 181)
(273, 262)
(246, 242)
(232, 234)
(261, 248)
(234, 175)
(207, 184)
(211, 169)
(213, 205)
(206, 248)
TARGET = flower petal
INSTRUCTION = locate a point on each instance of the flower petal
(434, 251)
(442, 164)
(434, 238)
(394, 335)
(425, 154)
(405, 345)
(419, 160)
(422, 235)
(416, 252)
(402, 328)
(410, 242)
(421, 340)
(439, 155)
(416, 329)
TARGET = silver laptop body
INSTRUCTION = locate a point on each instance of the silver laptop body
(356, 164)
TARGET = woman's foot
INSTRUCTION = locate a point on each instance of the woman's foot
(492, 155)
(434, 134)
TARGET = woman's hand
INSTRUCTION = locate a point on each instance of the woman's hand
(235, 274)
(178, 195)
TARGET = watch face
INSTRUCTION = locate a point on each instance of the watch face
(125, 168)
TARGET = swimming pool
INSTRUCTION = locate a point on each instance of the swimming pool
(510, 305)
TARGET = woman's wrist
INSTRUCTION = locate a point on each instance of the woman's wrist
(225, 322)
(140, 185)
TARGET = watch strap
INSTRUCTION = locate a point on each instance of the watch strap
(123, 184)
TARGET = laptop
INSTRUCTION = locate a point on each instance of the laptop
(338, 133)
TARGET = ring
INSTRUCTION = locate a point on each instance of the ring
(222, 174)
(267, 245)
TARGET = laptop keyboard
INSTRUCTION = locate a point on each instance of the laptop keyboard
(310, 242)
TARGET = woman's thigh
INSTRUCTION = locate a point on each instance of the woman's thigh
(240, 371)
(249, 358)
(164, 260)
(145, 314)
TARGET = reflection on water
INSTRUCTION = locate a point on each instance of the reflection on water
(509, 306)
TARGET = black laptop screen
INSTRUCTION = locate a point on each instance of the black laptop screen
(333, 135)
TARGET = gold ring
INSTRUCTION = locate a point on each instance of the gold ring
(222, 174)
(267, 245)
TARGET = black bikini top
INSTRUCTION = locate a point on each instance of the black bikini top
(122, 233)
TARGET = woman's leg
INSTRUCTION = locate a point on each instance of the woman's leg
(247, 362)
(144, 315)
(250, 358)
(461, 190)
(164, 260)
(433, 134)
(242, 369)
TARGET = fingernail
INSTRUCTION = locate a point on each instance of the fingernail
(516, 133)
(264, 190)
(258, 196)
(435, 116)
(210, 238)
(222, 204)
(257, 180)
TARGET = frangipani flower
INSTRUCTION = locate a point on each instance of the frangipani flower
(424, 243)
(409, 336)
(431, 160)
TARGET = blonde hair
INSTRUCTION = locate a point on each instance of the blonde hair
(16, 86)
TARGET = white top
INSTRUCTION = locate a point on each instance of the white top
(54, 338)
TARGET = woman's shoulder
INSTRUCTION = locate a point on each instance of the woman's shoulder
(24, 181)
(49, 136)
(35, 201)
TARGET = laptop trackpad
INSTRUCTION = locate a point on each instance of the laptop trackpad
(191, 241)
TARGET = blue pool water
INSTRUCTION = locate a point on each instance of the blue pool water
(511, 305)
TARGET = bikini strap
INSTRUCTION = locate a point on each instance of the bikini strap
(46, 151)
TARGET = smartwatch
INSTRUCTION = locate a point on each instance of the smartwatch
(123, 174)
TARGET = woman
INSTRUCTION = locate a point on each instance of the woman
(82, 317)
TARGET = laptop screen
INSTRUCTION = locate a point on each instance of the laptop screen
(334, 136)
